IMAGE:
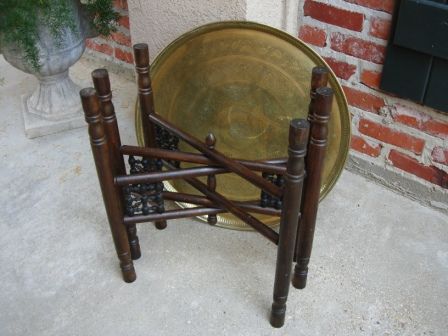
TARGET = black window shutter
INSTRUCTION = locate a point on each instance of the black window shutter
(437, 89)
(416, 65)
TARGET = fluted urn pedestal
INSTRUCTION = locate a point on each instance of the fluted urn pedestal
(54, 106)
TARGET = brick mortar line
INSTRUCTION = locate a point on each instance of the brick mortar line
(362, 64)
(390, 102)
(424, 158)
(389, 165)
(111, 43)
(397, 126)
(355, 83)
(434, 141)
(411, 187)
(351, 7)
(383, 160)
(340, 56)
(366, 12)
(441, 166)
(330, 28)
(431, 141)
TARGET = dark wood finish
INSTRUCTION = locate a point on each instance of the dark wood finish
(254, 207)
(192, 212)
(276, 166)
(210, 141)
(157, 176)
(250, 206)
(141, 192)
(111, 193)
(101, 83)
(319, 78)
(314, 164)
(298, 139)
(146, 99)
(145, 93)
(218, 157)
(172, 214)
(223, 202)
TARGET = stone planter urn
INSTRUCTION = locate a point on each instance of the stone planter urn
(54, 106)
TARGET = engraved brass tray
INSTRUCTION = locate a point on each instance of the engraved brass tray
(244, 82)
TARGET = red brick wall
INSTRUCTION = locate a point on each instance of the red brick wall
(351, 35)
(398, 134)
(118, 46)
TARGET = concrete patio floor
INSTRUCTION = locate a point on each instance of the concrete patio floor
(379, 266)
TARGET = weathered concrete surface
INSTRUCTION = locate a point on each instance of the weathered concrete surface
(379, 267)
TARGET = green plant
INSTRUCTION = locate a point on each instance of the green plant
(19, 20)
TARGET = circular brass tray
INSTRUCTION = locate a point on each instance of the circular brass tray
(244, 82)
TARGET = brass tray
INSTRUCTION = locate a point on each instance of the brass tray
(244, 82)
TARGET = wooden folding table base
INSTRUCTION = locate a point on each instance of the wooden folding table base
(138, 196)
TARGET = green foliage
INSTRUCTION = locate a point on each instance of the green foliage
(102, 15)
(19, 20)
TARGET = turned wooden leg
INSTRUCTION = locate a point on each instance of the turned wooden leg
(319, 78)
(101, 83)
(210, 141)
(134, 243)
(298, 139)
(321, 109)
(146, 99)
(111, 194)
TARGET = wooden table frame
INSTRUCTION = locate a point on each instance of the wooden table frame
(138, 196)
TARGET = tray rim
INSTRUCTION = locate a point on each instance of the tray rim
(309, 52)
